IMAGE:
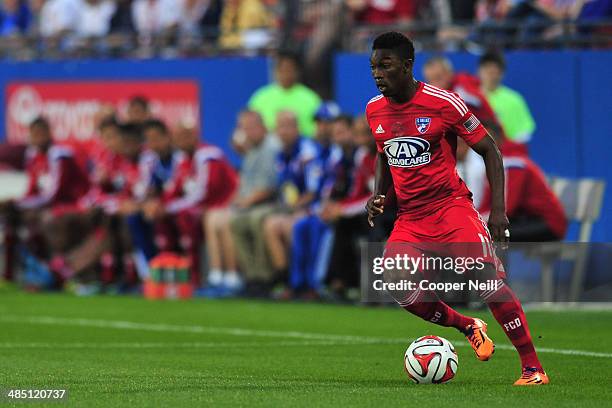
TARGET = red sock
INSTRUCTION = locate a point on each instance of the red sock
(509, 314)
(129, 269)
(107, 262)
(428, 306)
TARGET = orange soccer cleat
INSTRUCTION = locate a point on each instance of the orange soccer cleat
(483, 346)
(532, 376)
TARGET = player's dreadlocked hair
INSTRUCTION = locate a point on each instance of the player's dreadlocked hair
(397, 42)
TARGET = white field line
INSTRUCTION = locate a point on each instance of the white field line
(160, 345)
(315, 339)
(160, 327)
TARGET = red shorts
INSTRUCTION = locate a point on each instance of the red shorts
(456, 230)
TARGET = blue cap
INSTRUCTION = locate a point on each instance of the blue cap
(327, 111)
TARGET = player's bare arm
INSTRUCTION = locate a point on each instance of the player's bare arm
(498, 222)
(376, 203)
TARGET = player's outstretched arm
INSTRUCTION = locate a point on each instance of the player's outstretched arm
(376, 203)
(498, 222)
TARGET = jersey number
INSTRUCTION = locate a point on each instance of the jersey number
(487, 247)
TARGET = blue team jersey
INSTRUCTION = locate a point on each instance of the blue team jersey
(329, 159)
(299, 170)
(162, 172)
(155, 172)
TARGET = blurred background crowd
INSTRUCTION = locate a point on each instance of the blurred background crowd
(52, 29)
(286, 223)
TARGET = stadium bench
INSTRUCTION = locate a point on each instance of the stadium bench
(582, 200)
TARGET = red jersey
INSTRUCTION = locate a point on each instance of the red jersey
(387, 11)
(206, 179)
(105, 169)
(527, 193)
(55, 177)
(419, 139)
(96, 153)
(509, 148)
(468, 88)
(82, 152)
(114, 179)
(363, 183)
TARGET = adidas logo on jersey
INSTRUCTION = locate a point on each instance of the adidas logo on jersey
(380, 129)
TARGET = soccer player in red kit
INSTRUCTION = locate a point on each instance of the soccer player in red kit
(535, 212)
(202, 180)
(416, 126)
(56, 182)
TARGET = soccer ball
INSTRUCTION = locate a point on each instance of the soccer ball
(430, 360)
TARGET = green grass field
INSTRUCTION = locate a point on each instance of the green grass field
(126, 351)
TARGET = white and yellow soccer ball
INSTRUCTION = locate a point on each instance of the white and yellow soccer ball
(431, 360)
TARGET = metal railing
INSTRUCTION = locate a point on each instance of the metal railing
(506, 34)
(426, 36)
